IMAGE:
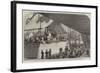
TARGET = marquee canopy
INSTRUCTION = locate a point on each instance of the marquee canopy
(81, 23)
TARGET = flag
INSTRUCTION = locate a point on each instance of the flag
(29, 19)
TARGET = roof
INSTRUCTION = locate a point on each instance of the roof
(81, 23)
(56, 27)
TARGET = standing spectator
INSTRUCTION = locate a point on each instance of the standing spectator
(66, 50)
(49, 53)
(42, 54)
(46, 54)
(61, 53)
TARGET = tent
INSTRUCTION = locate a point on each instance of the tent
(56, 27)
(79, 22)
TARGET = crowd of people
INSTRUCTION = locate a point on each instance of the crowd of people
(72, 52)
(46, 37)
